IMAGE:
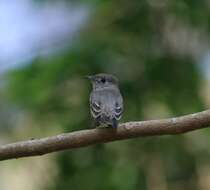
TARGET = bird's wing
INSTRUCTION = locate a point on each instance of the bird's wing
(118, 108)
(112, 104)
(108, 103)
(95, 105)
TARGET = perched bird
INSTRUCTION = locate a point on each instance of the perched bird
(106, 102)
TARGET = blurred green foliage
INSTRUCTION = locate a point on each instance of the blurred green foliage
(125, 38)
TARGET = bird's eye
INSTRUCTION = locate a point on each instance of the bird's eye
(103, 80)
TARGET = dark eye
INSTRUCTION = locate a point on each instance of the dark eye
(103, 80)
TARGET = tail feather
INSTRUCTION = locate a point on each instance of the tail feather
(114, 123)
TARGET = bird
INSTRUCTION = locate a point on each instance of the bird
(106, 101)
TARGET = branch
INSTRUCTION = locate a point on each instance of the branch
(84, 138)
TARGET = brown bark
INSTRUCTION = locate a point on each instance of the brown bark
(84, 138)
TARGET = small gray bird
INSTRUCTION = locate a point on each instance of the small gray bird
(106, 103)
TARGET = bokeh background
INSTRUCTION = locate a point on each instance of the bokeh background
(159, 49)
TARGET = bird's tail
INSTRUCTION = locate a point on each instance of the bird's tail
(114, 123)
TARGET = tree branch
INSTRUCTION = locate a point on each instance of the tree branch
(84, 138)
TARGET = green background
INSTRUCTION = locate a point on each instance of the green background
(149, 46)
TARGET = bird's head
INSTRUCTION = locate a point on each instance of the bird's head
(103, 80)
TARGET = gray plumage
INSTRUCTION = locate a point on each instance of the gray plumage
(106, 103)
